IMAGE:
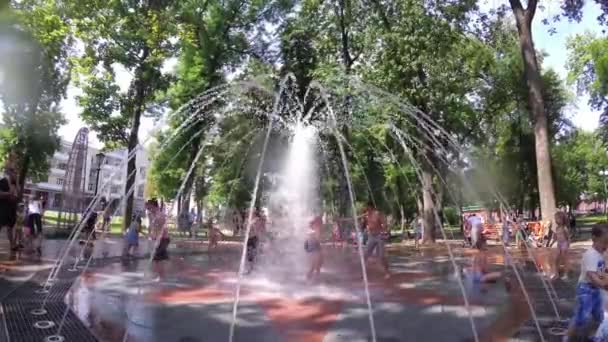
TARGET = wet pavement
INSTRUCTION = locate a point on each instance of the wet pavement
(190, 297)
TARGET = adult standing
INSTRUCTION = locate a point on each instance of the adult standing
(9, 191)
(34, 221)
(377, 230)
(476, 228)
(158, 230)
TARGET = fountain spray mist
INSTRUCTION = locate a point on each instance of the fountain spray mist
(297, 196)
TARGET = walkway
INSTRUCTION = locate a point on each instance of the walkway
(190, 297)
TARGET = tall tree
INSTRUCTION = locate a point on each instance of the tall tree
(215, 38)
(34, 73)
(421, 59)
(524, 17)
(135, 36)
(588, 68)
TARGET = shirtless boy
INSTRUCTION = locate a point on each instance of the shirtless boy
(376, 225)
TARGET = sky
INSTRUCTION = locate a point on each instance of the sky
(554, 45)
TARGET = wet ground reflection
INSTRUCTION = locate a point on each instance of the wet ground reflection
(191, 296)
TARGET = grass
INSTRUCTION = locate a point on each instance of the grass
(589, 220)
(51, 217)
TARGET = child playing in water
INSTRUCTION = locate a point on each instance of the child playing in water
(417, 231)
(215, 235)
(132, 238)
(19, 225)
(335, 235)
(478, 273)
(563, 243)
(520, 235)
(312, 245)
(158, 229)
(506, 226)
(253, 242)
(589, 311)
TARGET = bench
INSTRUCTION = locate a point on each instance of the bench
(491, 231)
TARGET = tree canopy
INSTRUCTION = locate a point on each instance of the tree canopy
(426, 105)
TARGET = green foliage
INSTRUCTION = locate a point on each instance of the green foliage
(504, 158)
(452, 216)
(135, 36)
(34, 73)
(588, 68)
(578, 160)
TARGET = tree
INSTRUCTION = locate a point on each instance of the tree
(136, 36)
(507, 147)
(524, 17)
(578, 161)
(214, 37)
(34, 74)
(419, 55)
(588, 68)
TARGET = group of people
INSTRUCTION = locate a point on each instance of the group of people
(374, 222)
(157, 232)
(21, 220)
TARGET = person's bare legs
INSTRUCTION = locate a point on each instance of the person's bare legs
(319, 263)
(565, 263)
(384, 261)
(558, 262)
(314, 261)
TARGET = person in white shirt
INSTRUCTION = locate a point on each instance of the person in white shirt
(34, 221)
(589, 310)
(476, 228)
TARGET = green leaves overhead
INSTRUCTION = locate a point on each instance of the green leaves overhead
(34, 75)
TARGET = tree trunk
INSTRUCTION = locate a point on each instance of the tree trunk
(428, 205)
(344, 206)
(133, 141)
(535, 101)
(131, 169)
(25, 165)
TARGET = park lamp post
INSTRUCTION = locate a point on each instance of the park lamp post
(100, 158)
(604, 174)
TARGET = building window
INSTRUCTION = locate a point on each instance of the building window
(57, 200)
(115, 189)
(142, 171)
(62, 166)
(91, 186)
(59, 181)
(140, 191)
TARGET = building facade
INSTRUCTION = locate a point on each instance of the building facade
(112, 177)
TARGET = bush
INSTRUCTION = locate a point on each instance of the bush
(451, 216)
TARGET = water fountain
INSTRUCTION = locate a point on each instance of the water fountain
(304, 124)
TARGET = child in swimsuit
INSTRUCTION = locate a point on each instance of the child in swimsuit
(520, 235)
(563, 243)
(132, 238)
(215, 235)
(312, 245)
(477, 274)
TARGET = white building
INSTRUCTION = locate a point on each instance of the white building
(112, 176)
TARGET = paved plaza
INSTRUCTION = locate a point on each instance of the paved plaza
(191, 296)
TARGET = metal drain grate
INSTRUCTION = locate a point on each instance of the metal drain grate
(20, 322)
(30, 292)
